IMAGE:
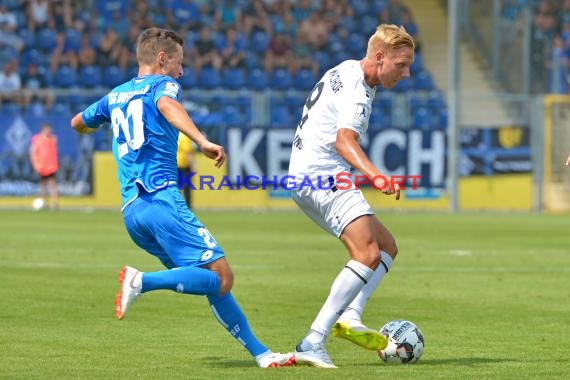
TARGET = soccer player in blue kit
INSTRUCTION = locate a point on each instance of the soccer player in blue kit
(146, 118)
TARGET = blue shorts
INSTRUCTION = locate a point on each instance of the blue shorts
(161, 223)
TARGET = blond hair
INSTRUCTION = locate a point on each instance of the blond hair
(389, 36)
(154, 40)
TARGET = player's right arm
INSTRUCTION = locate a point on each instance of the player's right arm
(92, 117)
(177, 116)
(568, 161)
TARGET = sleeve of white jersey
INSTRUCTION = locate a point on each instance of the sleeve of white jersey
(354, 113)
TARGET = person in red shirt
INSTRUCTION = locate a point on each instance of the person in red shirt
(43, 155)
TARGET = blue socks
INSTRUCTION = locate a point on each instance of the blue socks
(229, 314)
(187, 280)
(199, 281)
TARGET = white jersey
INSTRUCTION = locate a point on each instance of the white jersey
(341, 99)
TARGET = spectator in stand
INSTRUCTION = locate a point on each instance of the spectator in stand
(303, 55)
(279, 53)
(143, 15)
(302, 11)
(62, 17)
(232, 52)
(63, 54)
(183, 15)
(331, 11)
(226, 15)
(36, 89)
(8, 26)
(205, 52)
(128, 56)
(284, 23)
(38, 14)
(10, 84)
(564, 14)
(316, 29)
(393, 12)
(110, 48)
(256, 18)
(558, 67)
(411, 27)
(87, 55)
(543, 25)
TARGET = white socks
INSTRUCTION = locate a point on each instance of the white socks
(356, 307)
(349, 282)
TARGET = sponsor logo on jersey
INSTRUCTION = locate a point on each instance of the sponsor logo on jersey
(171, 89)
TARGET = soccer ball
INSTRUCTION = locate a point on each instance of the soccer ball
(38, 204)
(405, 342)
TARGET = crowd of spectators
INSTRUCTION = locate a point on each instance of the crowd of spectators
(551, 46)
(67, 44)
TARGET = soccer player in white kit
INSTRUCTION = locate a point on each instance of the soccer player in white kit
(326, 143)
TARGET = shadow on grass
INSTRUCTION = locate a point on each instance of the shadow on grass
(223, 362)
(469, 362)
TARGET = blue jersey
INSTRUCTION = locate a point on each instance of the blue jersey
(144, 143)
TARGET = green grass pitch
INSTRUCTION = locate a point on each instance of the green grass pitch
(490, 292)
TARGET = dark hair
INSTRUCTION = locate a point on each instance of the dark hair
(154, 40)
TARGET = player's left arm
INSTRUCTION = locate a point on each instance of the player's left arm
(348, 147)
(177, 116)
(568, 161)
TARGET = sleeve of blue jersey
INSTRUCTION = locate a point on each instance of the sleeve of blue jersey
(167, 87)
(97, 113)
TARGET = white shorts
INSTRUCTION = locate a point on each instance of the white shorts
(330, 209)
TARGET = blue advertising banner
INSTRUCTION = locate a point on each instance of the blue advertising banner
(260, 152)
(17, 178)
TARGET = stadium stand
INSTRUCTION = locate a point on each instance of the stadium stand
(109, 27)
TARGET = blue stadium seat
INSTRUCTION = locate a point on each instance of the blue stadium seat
(113, 76)
(65, 77)
(435, 101)
(416, 100)
(281, 79)
(442, 118)
(232, 116)
(422, 119)
(418, 64)
(209, 78)
(189, 79)
(32, 56)
(323, 59)
(295, 101)
(281, 116)
(46, 39)
(304, 80)
(233, 78)
(379, 120)
(90, 76)
(72, 39)
(341, 56)
(133, 71)
(404, 85)
(61, 109)
(368, 25)
(259, 41)
(356, 44)
(257, 79)
(384, 101)
(423, 81)
(28, 37)
(360, 7)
